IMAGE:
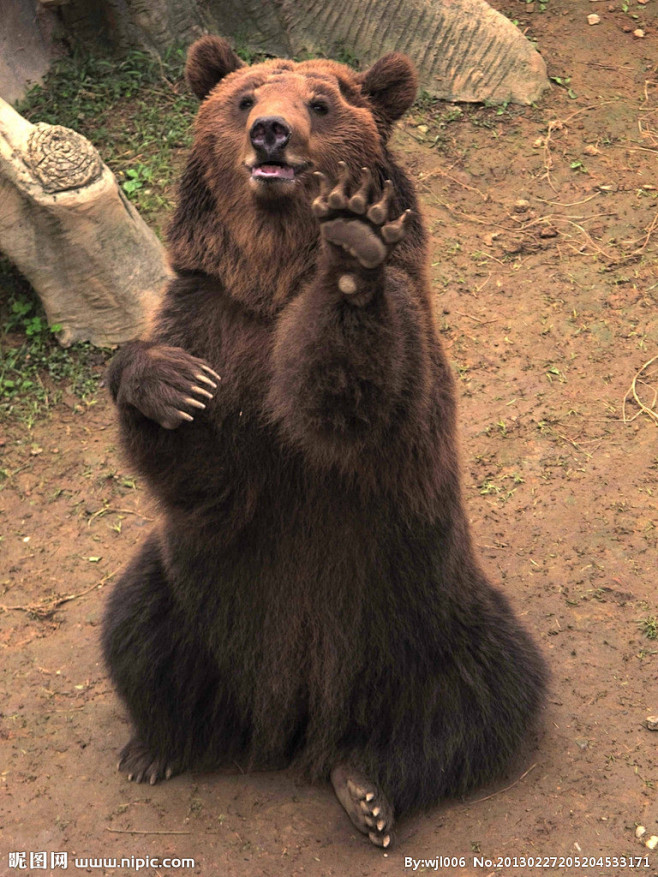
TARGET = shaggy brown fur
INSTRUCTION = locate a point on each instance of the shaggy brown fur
(311, 596)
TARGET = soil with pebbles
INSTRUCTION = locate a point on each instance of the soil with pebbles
(544, 229)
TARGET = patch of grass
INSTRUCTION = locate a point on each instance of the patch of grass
(246, 53)
(649, 626)
(425, 101)
(436, 117)
(346, 56)
(338, 52)
(564, 82)
(137, 111)
(34, 370)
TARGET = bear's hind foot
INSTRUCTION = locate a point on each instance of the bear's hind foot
(136, 760)
(366, 806)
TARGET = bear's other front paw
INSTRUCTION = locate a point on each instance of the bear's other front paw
(171, 386)
(356, 223)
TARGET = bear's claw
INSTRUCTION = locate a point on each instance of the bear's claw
(368, 809)
(378, 213)
(358, 203)
(137, 761)
(337, 198)
(205, 379)
(168, 388)
(354, 223)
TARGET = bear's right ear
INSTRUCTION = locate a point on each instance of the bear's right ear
(209, 60)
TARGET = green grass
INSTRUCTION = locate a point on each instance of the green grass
(137, 111)
(649, 627)
(34, 370)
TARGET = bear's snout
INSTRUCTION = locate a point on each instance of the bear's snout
(269, 135)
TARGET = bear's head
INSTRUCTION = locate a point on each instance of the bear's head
(261, 132)
(272, 124)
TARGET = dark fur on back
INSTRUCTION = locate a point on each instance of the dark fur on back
(311, 595)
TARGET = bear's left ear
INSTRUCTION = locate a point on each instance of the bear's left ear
(391, 84)
(209, 60)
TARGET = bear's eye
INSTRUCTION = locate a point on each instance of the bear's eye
(246, 103)
(320, 107)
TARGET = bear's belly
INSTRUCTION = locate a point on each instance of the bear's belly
(301, 583)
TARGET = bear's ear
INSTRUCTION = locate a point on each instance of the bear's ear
(209, 60)
(391, 84)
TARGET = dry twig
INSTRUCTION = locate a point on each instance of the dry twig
(507, 788)
(559, 125)
(477, 319)
(44, 608)
(142, 831)
(112, 511)
(439, 173)
(649, 410)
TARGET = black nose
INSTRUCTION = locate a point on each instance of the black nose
(269, 133)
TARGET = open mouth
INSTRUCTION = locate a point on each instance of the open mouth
(271, 172)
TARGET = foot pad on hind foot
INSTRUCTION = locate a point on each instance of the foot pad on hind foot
(366, 806)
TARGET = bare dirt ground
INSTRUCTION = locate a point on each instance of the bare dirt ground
(544, 224)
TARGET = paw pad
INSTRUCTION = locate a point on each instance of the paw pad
(356, 223)
(368, 809)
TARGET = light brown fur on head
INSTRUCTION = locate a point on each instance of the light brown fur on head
(232, 224)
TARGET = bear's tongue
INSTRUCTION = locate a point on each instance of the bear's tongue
(274, 172)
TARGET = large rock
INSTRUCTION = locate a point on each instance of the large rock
(464, 50)
(69, 229)
(28, 45)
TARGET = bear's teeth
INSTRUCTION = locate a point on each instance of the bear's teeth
(282, 172)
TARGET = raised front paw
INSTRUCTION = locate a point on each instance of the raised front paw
(357, 223)
(170, 386)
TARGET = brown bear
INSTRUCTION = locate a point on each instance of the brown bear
(310, 596)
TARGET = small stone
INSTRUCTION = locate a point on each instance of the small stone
(582, 742)
(590, 149)
(539, 142)
(549, 232)
(640, 831)
(593, 18)
(652, 723)
(627, 28)
(652, 843)
(423, 129)
(521, 205)
(639, 33)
